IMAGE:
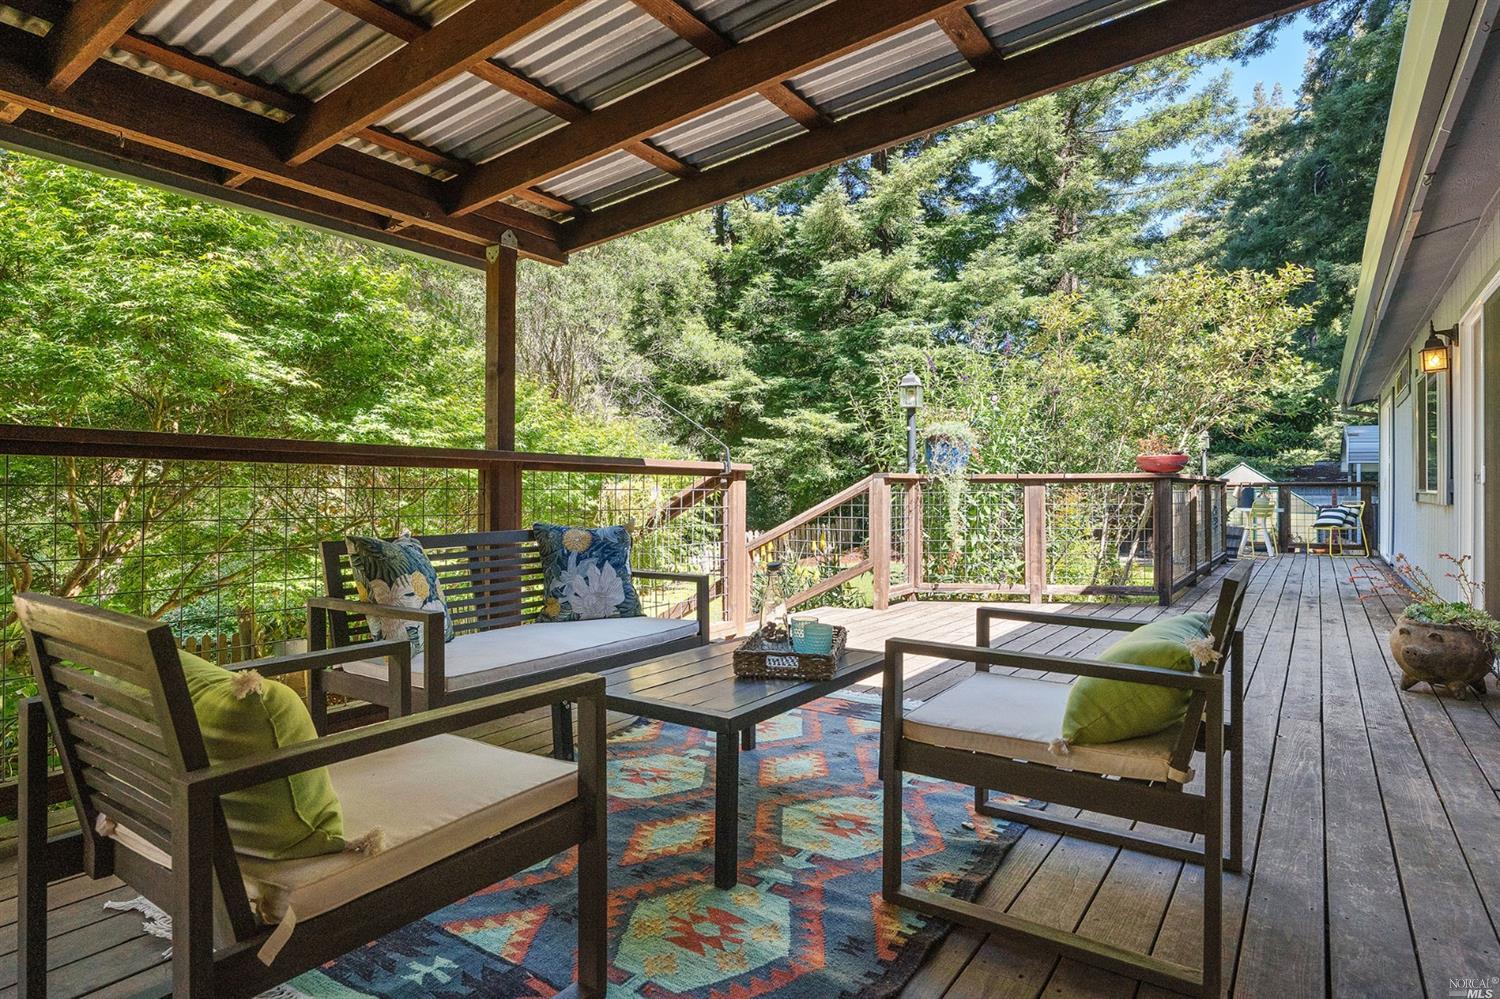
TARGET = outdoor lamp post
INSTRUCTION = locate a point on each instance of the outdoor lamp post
(909, 390)
(1435, 350)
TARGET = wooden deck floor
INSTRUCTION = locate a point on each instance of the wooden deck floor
(1373, 826)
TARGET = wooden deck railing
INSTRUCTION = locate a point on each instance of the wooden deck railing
(1038, 536)
(1297, 507)
(208, 532)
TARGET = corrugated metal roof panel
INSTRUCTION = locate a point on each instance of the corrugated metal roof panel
(471, 119)
(726, 132)
(742, 19)
(1018, 24)
(606, 179)
(600, 52)
(915, 58)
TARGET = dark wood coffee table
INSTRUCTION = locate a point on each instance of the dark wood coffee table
(698, 688)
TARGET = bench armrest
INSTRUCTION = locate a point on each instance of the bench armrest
(249, 771)
(700, 581)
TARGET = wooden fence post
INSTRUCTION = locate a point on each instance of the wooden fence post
(736, 555)
(1161, 538)
(1283, 517)
(880, 539)
(1367, 515)
(1192, 525)
(500, 496)
(1034, 542)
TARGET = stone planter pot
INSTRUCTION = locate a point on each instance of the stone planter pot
(1161, 464)
(1447, 656)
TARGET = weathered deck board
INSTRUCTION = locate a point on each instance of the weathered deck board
(1372, 824)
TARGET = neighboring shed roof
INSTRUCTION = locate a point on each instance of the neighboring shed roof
(1245, 473)
(441, 124)
(1361, 446)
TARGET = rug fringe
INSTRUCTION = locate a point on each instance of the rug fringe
(157, 922)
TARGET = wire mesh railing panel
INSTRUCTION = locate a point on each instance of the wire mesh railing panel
(676, 524)
(834, 543)
(1098, 534)
(901, 495)
(974, 533)
(1182, 531)
(213, 548)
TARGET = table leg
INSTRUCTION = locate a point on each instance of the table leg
(726, 810)
(747, 738)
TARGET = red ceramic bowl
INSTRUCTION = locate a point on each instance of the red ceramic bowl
(1161, 464)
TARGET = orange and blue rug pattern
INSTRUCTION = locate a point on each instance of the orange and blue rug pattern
(806, 919)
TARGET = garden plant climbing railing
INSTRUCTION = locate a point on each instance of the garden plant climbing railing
(1036, 536)
(219, 535)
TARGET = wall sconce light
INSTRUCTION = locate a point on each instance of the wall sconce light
(1435, 350)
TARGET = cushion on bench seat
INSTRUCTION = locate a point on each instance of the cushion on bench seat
(1020, 718)
(485, 657)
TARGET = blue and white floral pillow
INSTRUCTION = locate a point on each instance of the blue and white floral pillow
(586, 573)
(396, 574)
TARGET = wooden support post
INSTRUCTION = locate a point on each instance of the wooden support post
(880, 539)
(1034, 517)
(1192, 525)
(1283, 518)
(915, 532)
(1367, 515)
(500, 482)
(1161, 538)
(736, 555)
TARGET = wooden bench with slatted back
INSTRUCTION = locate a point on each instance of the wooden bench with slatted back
(491, 580)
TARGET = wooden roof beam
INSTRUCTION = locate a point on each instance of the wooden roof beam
(1145, 34)
(827, 32)
(160, 115)
(967, 36)
(88, 29)
(687, 25)
(225, 78)
(466, 38)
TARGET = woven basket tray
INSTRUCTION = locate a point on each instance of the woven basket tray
(776, 661)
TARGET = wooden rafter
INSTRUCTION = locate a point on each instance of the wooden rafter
(967, 36)
(830, 31)
(48, 136)
(89, 28)
(198, 68)
(133, 106)
(468, 37)
(10, 112)
(687, 25)
(388, 19)
(1156, 30)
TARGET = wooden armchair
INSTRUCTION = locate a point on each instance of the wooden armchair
(992, 731)
(113, 695)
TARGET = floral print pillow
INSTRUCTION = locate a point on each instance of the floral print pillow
(396, 574)
(586, 573)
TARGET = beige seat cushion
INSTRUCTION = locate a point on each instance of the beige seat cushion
(1021, 719)
(485, 657)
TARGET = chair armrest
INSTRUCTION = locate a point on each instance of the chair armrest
(428, 620)
(984, 614)
(700, 581)
(297, 662)
(895, 648)
(249, 771)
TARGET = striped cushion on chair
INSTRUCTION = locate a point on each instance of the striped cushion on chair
(1340, 517)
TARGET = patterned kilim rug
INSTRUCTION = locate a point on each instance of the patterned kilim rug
(805, 920)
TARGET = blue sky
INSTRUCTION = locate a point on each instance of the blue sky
(1281, 64)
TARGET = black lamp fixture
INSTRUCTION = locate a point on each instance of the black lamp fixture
(909, 393)
(1435, 350)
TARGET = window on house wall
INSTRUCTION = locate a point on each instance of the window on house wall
(1432, 436)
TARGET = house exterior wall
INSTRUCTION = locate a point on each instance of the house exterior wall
(1421, 529)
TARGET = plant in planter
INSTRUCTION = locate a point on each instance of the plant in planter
(1159, 454)
(1449, 644)
(950, 445)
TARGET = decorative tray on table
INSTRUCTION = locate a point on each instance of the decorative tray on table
(773, 658)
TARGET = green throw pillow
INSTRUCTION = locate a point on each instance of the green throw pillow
(241, 714)
(1110, 710)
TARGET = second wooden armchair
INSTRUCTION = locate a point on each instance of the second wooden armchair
(993, 731)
